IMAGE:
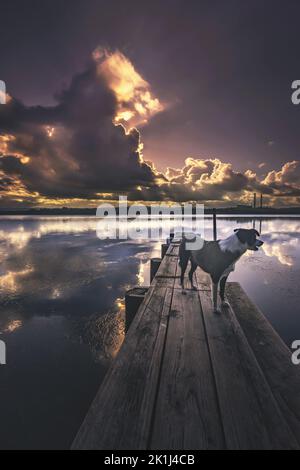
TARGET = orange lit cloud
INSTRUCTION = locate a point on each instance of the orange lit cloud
(207, 175)
(50, 131)
(5, 139)
(286, 181)
(288, 174)
(136, 102)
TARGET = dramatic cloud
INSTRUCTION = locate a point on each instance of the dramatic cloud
(86, 149)
(214, 181)
(73, 150)
(211, 180)
(285, 182)
(135, 101)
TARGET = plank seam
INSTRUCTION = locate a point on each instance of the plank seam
(148, 445)
(212, 371)
(232, 314)
(236, 326)
(81, 433)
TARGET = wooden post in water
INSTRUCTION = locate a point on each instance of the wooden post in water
(164, 248)
(154, 265)
(133, 299)
(215, 223)
(170, 238)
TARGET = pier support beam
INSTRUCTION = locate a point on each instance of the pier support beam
(170, 238)
(154, 265)
(164, 248)
(133, 299)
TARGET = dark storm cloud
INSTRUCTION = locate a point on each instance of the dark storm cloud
(74, 149)
(229, 64)
(5, 183)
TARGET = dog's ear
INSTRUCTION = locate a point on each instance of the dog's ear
(242, 234)
(256, 232)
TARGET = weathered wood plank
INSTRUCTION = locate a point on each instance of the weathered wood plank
(203, 279)
(251, 416)
(186, 378)
(186, 413)
(273, 356)
(166, 272)
(120, 416)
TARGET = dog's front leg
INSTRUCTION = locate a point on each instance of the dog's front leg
(192, 270)
(222, 291)
(215, 297)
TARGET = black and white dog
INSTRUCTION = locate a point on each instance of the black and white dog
(218, 259)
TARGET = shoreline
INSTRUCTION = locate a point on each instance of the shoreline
(222, 212)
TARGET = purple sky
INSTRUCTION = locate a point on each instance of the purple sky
(223, 69)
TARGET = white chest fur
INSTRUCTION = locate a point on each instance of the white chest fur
(233, 244)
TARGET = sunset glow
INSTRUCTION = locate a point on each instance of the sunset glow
(153, 128)
(136, 102)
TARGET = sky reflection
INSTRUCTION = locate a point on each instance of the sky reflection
(62, 311)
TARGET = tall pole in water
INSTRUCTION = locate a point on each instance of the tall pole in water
(215, 223)
(261, 200)
(254, 201)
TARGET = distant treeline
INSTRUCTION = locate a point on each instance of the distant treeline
(243, 210)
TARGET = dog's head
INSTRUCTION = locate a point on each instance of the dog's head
(249, 237)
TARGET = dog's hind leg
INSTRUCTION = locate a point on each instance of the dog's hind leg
(222, 291)
(183, 264)
(192, 270)
(215, 297)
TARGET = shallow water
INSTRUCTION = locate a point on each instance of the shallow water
(62, 312)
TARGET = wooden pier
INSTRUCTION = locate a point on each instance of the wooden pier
(188, 379)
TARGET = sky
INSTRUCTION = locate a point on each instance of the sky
(174, 100)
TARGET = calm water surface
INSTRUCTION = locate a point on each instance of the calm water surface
(62, 312)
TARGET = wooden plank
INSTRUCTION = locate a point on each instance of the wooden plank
(186, 378)
(203, 279)
(166, 273)
(273, 356)
(186, 415)
(251, 416)
(120, 416)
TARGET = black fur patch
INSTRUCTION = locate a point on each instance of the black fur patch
(247, 236)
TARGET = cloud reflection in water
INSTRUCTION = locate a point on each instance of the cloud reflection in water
(62, 309)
